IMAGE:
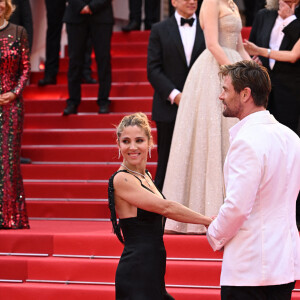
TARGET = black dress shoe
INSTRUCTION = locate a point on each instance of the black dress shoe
(132, 25)
(24, 160)
(46, 81)
(148, 26)
(70, 110)
(104, 109)
(88, 80)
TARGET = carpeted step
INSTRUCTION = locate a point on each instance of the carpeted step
(120, 48)
(118, 75)
(129, 37)
(83, 120)
(76, 153)
(120, 105)
(74, 171)
(123, 89)
(81, 190)
(43, 291)
(119, 62)
(68, 208)
(91, 238)
(48, 237)
(71, 136)
(103, 270)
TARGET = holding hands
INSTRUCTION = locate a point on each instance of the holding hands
(7, 97)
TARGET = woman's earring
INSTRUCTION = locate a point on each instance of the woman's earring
(119, 154)
(149, 152)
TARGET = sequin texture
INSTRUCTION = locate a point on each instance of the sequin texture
(15, 68)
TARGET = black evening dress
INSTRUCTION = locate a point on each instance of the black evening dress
(141, 270)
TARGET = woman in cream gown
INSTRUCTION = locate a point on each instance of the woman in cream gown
(200, 141)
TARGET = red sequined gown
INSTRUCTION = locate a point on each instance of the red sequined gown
(14, 68)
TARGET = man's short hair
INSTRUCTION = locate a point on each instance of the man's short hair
(249, 74)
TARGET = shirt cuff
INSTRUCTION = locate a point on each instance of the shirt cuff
(288, 20)
(173, 95)
(214, 243)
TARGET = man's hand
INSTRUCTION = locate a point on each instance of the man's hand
(178, 98)
(86, 10)
(7, 97)
(285, 10)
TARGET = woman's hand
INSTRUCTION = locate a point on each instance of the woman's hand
(251, 48)
(7, 97)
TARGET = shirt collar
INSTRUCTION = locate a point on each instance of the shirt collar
(233, 131)
(178, 16)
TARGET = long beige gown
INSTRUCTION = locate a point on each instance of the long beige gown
(200, 142)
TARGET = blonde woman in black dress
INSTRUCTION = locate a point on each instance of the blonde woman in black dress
(142, 210)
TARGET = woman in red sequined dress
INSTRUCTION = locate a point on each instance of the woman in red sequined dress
(14, 72)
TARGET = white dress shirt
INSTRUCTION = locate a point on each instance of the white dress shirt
(188, 34)
(277, 34)
(256, 225)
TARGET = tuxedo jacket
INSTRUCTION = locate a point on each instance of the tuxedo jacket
(285, 76)
(256, 225)
(167, 68)
(102, 11)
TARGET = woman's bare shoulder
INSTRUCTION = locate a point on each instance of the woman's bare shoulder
(123, 179)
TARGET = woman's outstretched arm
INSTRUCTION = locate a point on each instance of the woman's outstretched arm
(129, 189)
(281, 55)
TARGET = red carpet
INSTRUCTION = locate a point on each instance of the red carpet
(70, 251)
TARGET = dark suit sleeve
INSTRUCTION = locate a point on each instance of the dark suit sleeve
(96, 5)
(292, 31)
(155, 71)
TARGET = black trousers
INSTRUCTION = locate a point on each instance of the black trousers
(269, 292)
(152, 11)
(55, 12)
(164, 140)
(77, 39)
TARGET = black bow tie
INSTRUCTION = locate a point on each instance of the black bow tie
(187, 21)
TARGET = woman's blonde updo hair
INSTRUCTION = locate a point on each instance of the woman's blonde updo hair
(10, 8)
(138, 119)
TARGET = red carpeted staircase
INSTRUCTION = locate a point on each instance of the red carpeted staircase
(70, 251)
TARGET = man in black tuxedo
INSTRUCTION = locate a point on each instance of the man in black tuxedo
(55, 13)
(86, 18)
(173, 48)
(284, 100)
